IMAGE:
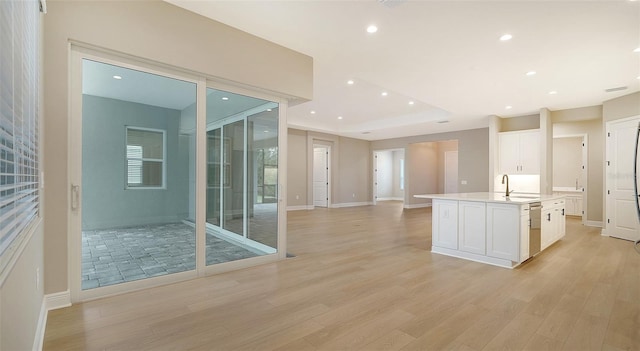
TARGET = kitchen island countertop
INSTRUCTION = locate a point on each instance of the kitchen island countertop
(514, 198)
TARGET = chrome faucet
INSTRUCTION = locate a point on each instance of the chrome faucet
(507, 191)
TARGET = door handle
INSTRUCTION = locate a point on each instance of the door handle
(75, 197)
(549, 217)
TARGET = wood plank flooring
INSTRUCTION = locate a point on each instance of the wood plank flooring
(364, 279)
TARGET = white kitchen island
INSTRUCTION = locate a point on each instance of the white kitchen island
(493, 229)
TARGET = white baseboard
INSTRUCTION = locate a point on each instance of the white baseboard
(57, 300)
(299, 208)
(594, 224)
(390, 199)
(351, 204)
(38, 340)
(49, 302)
(416, 206)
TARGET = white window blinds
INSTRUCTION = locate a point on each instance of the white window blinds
(19, 86)
(145, 158)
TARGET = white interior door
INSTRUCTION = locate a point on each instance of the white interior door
(621, 221)
(451, 172)
(320, 176)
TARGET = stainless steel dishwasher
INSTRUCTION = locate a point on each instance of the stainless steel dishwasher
(535, 214)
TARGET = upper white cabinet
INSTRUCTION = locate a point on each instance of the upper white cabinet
(519, 152)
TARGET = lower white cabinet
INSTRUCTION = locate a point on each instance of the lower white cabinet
(503, 231)
(471, 227)
(573, 203)
(553, 226)
(496, 233)
(445, 224)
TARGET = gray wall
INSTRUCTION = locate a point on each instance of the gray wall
(106, 203)
(473, 157)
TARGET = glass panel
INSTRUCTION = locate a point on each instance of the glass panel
(232, 177)
(262, 182)
(233, 180)
(128, 233)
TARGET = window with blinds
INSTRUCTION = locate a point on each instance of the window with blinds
(145, 158)
(19, 99)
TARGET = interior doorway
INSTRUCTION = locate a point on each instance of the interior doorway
(451, 172)
(388, 175)
(570, 170)
(321, 172)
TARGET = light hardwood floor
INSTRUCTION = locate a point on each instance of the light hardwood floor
(364, 278)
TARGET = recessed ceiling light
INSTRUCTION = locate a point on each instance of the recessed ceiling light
(339, 117)
(266, 131)
(553, 92)
(350, 82)
(411, 102)
(225, 98)
(506, 37)
(269, 110)
(638, 77)
(531, 73)
(372, 29)
(384, 93)
(508, 107)
(636, 50)
(117, 77)
(313, 112)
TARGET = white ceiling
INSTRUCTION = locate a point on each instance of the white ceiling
(446, 56)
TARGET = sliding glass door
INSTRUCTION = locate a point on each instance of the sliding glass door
(169, 180)
(241, 207)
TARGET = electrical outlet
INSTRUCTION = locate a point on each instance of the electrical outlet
(354, 195)
(463, 182)
(38, 278)
(297, 197)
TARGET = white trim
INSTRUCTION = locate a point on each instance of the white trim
(594, 224)
(417, 206)
(351, 204)
(50, 302)
(474, 257)
(57, 300)
(38, 339)
(390, 199)
(299, 208)
(163, 186)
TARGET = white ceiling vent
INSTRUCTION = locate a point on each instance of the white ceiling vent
(611, 90)
(392, 3)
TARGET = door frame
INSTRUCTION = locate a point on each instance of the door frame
(328, 161)
(78, 52)
(374, 173)
(585, 170)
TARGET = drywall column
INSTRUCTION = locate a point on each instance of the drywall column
(546, 152)
(494, 128)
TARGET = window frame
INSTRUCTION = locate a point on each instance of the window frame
(163, 186)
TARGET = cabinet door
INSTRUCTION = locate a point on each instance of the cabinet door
(547, 229)
(472, 227)
(570, 205)
(503, 231)
(530, 152)
(445, 224)
(509, 154)
(559, 223)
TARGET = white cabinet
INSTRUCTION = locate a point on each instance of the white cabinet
(573, 203)
(553, 226)
(471, 227)
(519, 152)
(444, 231)
(503, 231)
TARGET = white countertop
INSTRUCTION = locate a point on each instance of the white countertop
(492, 197)
(567, 189)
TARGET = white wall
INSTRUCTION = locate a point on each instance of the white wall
(398, 190)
